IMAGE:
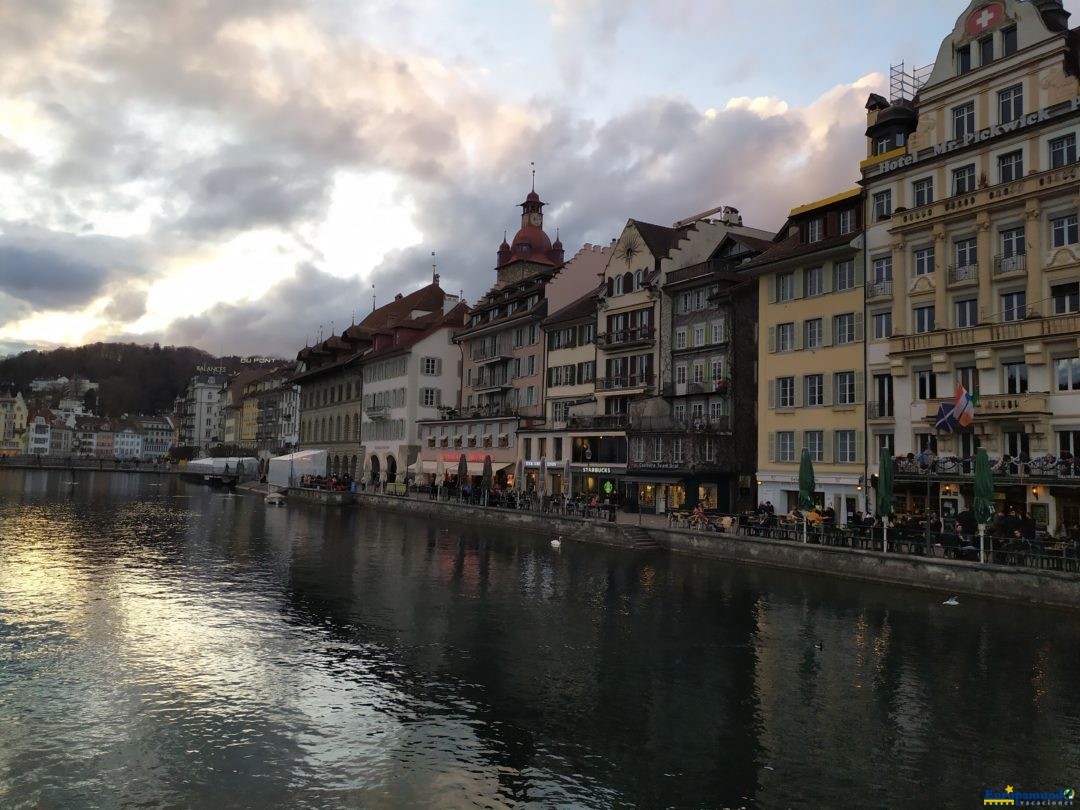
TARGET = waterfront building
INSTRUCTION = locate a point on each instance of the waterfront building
(13, 415)
(502, 351)
(696, 442)
(329, 376)
(274, 399)
(104, 438)
(972, 184)
(811, 368)
(127, 440)
(38, 438)
(157, 436)
(201, 423)
(60, 437)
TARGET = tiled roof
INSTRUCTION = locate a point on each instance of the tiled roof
(660, 239)
(793, 246)
(581, 308)
(453, 319)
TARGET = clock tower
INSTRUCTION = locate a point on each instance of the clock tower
(531, 244)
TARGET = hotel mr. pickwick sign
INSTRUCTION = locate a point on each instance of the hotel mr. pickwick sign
(987, 134)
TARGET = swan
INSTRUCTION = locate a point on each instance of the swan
(952, 601)
(557, 542)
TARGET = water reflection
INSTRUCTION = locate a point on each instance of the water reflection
(166, 645)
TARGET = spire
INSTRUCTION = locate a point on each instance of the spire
(533, 164)
(372, 297)
(434, 272)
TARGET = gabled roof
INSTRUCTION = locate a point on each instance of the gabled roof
(658, 238)
(581, 308)
(453, 319)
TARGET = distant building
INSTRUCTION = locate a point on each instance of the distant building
(38, 438)
(13, 416)
(203, 411)
(157, 436)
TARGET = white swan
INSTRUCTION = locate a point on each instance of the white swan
(557, 542)
(952, 601)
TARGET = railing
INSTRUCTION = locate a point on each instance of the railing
(944, 468)
(496, 351)
(879, 289)
(624, 382)
(699, 270)
(1007, 405)
(377, 412)
(961, 273)
(879, 409)
(1010, 264)
(626, 337)
(611, 421)
(491, 383)
(691, 424)
(987, 333)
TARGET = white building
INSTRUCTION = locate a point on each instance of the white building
(412, 370)
(38, 436)
(127, 442)
(157, 436)
(203, 410)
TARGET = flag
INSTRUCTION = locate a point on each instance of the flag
(945, 421)
(964, 408)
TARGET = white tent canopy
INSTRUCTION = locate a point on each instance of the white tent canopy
(294, 466)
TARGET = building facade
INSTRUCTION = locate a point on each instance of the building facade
(973, 192)
(203, 414)
(13, 415)
(811, 365)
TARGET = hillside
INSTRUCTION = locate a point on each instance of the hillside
(132, 378)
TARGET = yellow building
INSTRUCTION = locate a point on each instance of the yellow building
(973, 259)
(810, 356)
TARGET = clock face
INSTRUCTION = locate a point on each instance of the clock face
(534, 219)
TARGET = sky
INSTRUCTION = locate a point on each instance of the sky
(240, 175)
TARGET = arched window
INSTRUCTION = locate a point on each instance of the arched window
(610, 287)
(619, 285)
(346, 426)
(639, 279)
(628, 282)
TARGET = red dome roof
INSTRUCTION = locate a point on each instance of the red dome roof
(534, 237)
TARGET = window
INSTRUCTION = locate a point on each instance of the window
(925, 384)
(845, 388)
(986, 50)
(1016, 379)
(968, 376)
(699, 335)
(679, 412)
(813, 333)
(882, 205)
(964, 179)
(785, 287)
(1063, 151)
(926, 442)
(924, 191)
(844, 274)
(847, 221)
(699, 373)
(963, 118)
(716, 410)
(844, 328)
(680, 338)
(785, 337)
(967, 313)
(1013, 306)
(1010, 103)
(815, 389)
(530, 395)
(680, 375)
(1016, 443)
(716, 369)
(882, 269)
(697, 411)
(882, 325)
(1010, 166)
(429, 397)
(718, 332)
(815, 230)
(1067, 371)
(1012, 242)
(1063, 231)
(785, 392)
(813, 281)
(658, 448)
(924, 261)
(886, 441)
(1008, 41)
(882, 144)
(1066, 298)
(845, 447)
(430, 366)
(815, 444)
(687, 302)
(967, 254)
(924, 319)
(963, 59)
(676, 449)
(785, 446)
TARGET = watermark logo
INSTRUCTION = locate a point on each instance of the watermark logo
(1011, 797)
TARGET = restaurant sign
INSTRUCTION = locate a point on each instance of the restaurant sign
(986, 134)
(455, 457)
(596, 470)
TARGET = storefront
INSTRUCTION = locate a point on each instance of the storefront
(601, 481)
(660, 491)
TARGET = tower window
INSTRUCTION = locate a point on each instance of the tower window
(963, 60)
(1008, 41)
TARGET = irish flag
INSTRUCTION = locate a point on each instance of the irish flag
(959, 415)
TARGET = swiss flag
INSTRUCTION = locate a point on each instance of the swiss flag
(985, 18)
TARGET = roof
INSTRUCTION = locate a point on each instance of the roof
(844, 195)
(660, 239)
(793, 246)
(453, 319)
(581, 308)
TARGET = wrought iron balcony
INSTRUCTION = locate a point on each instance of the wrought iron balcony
(879, 289)
(377, 412)
(879, 409)
(491, 352)
(626, 338)
(963, 273)
(1004, 265)
(624, 382)
(601, 421)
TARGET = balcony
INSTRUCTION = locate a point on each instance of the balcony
(625, 382)
(1030, 329)
(879, 290)
(377, 412)
(962, 274)
(486, 385)
(690, 424)
(1008, 265)
(491, 353)
(880, 410)
(626, 338)
(603, 421)
(1008, 406)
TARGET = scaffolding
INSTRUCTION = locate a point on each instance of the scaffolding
(904, 84)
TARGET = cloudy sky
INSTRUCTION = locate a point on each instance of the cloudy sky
(231, 175)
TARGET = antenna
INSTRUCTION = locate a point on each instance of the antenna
(533, 164)
(372, 297)
(434, 275)
(332, 330)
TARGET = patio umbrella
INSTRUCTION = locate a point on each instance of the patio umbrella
(489, 477)
(367, 469)
(519, 476)
(541, 478)
(566, 476)
(885, 494)
(440, 474)
(983, 507)
(462, 474)
(806, 486)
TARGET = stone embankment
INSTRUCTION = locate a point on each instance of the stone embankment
(1056, 588)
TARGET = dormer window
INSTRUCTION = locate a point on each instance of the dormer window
(1008, 41)
(882, 144)
(847, 221)
(963, 60)
(815, 230)
(986, 50)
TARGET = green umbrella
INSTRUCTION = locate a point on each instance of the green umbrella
(983, 507)
(806, 486)
(489, 477)
(885, 494)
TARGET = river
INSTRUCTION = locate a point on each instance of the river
(164, 645)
